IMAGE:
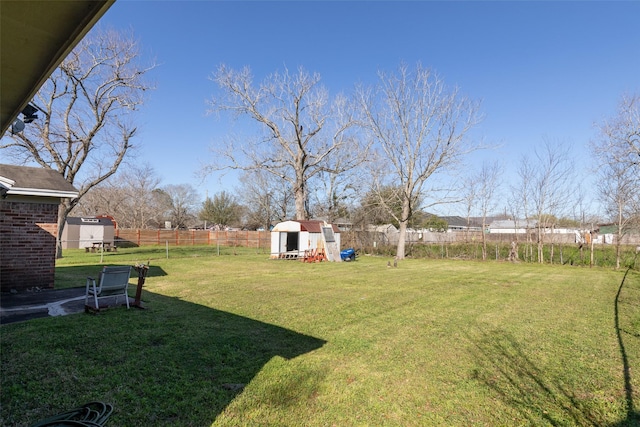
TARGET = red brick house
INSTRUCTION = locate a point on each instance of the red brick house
(29, 225)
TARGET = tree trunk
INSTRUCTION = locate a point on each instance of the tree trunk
(540, 246)
(63, 211)
(300, 191)
(618, 238)
(484, 243)
(404, 222)
(402, 235)
(513, 253)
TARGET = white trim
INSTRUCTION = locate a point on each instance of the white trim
(42, 192)
(6, 182)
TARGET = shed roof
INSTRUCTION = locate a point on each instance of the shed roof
(102, 221)
(30, 181)
(315, 226)
(312, 226)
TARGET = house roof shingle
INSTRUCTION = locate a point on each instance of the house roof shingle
(31, 181)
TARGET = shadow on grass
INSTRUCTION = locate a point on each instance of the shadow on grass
(633, 416)
(175, 363)
(506, 369)
(76, 276)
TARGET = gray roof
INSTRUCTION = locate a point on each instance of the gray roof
(89, 220)
(36, 181)
(458, 221)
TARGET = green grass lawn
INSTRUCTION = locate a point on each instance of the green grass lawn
(246, 341)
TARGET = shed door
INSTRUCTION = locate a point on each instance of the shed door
(89, 234)
(292, 241)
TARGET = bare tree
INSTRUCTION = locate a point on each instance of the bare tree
(103, 199)
(267, 198)
(140, 207)
(617, 154)
(619, 188)
(469, 198)
(520, 203)
(421, 128)
(128, 196)
(487, 180)
(551, 177)
(181, 204)
(87, 128)
(336, 191)
(302, 128)
(620, 135)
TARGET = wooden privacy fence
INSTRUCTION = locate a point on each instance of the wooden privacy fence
(245, 238)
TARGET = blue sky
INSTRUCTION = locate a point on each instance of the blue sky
(542, 69)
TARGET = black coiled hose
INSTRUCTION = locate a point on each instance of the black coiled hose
(93, 414)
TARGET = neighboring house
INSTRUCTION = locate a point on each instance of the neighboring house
(343, 224)
(509, 226)
(290, 239)
(29, 225)
(383, 228)
(384, 234)
(84, 232)
(457, 223)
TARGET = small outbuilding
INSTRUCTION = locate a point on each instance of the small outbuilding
(300, 239)
(88, 232)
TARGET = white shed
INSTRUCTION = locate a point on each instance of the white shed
(297, 239)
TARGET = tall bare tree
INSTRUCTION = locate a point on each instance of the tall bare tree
(551, 176)
(619, 138)
(129, 197)
(421, 127)
(617, 154)
(619, 188)
(469, 196)
(181, 204)
(488, 186)
(140, 207)
(302, 128)
(267, 198)
(87, 126)
(519, 203)
(336, 192)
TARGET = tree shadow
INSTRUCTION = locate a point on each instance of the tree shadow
(633, 416)
(184, 363)
(505, 368)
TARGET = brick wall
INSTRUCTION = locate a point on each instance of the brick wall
(27, 244)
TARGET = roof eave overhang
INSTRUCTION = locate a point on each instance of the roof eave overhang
(6, 182)
(36, 37)
(42, 193)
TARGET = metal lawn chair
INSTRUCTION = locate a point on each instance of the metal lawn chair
(113, 281)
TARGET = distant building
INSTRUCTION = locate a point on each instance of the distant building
(458, 223)
(84, 232)
(292, 239)
(510, 226)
